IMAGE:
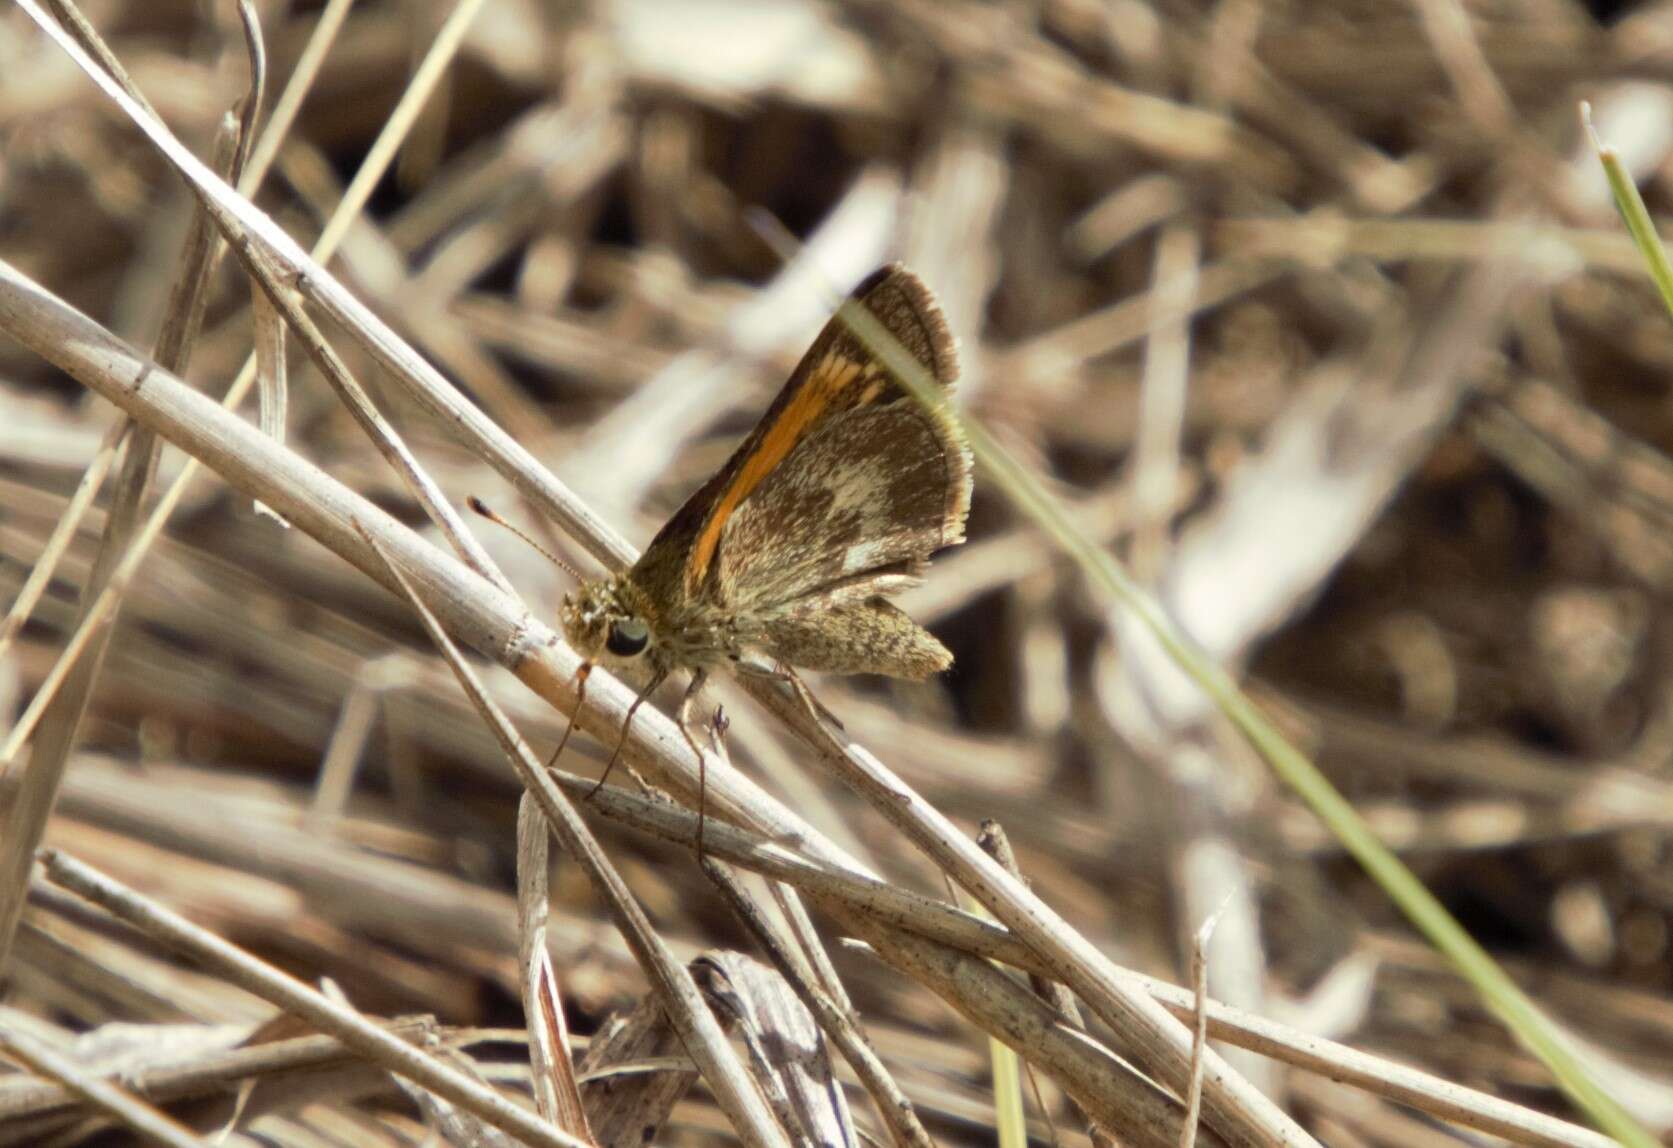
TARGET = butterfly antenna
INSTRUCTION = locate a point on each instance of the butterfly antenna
(493, 516)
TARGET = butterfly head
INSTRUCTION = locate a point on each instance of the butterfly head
(602, 621)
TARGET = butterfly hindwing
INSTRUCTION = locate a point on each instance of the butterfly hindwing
(870, 637)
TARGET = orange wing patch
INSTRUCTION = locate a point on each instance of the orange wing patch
(828, 378)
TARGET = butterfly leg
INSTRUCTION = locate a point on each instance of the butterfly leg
(815, 708)
(582, 673)
(717, 730)
(698, 677)
(656, 680)
(789, 677)
(812, 704)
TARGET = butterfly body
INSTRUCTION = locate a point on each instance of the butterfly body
(833, 503)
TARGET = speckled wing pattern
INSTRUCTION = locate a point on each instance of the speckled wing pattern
(855, 512)
(838, 497)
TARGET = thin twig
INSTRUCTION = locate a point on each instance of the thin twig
(1199, 1030)
(550, 1061)
(1119, 1098)
(354, 1030)
(63, 532)
(290, 100)
(893, 1108)
(122, 1105)
(215, 1073)
(306, 274)
(61, 707)
(993, 838)
(734, 1090)
(326, 510)
(106, 602)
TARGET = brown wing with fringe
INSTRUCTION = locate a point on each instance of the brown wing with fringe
(846, 486)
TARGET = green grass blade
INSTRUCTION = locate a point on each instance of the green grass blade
(1497, 990)
(1633, 212)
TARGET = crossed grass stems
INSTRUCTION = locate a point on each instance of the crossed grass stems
(250, 232)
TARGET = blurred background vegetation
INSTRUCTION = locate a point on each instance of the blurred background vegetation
(1231, 278)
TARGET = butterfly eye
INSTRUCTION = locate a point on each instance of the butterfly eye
(627, 638)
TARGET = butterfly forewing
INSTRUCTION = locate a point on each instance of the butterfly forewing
(864, 493)
(846, 474)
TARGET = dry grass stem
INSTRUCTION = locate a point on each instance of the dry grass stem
(1199, 1030)
(1323, 324)
(338, 1020)
(46, 562)
(61, 707)
(997, 843)
(1101, 1083)
(122, 1106)
(839, 1025)
(701, 1035)
(213, 1073)
(551, 1059)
